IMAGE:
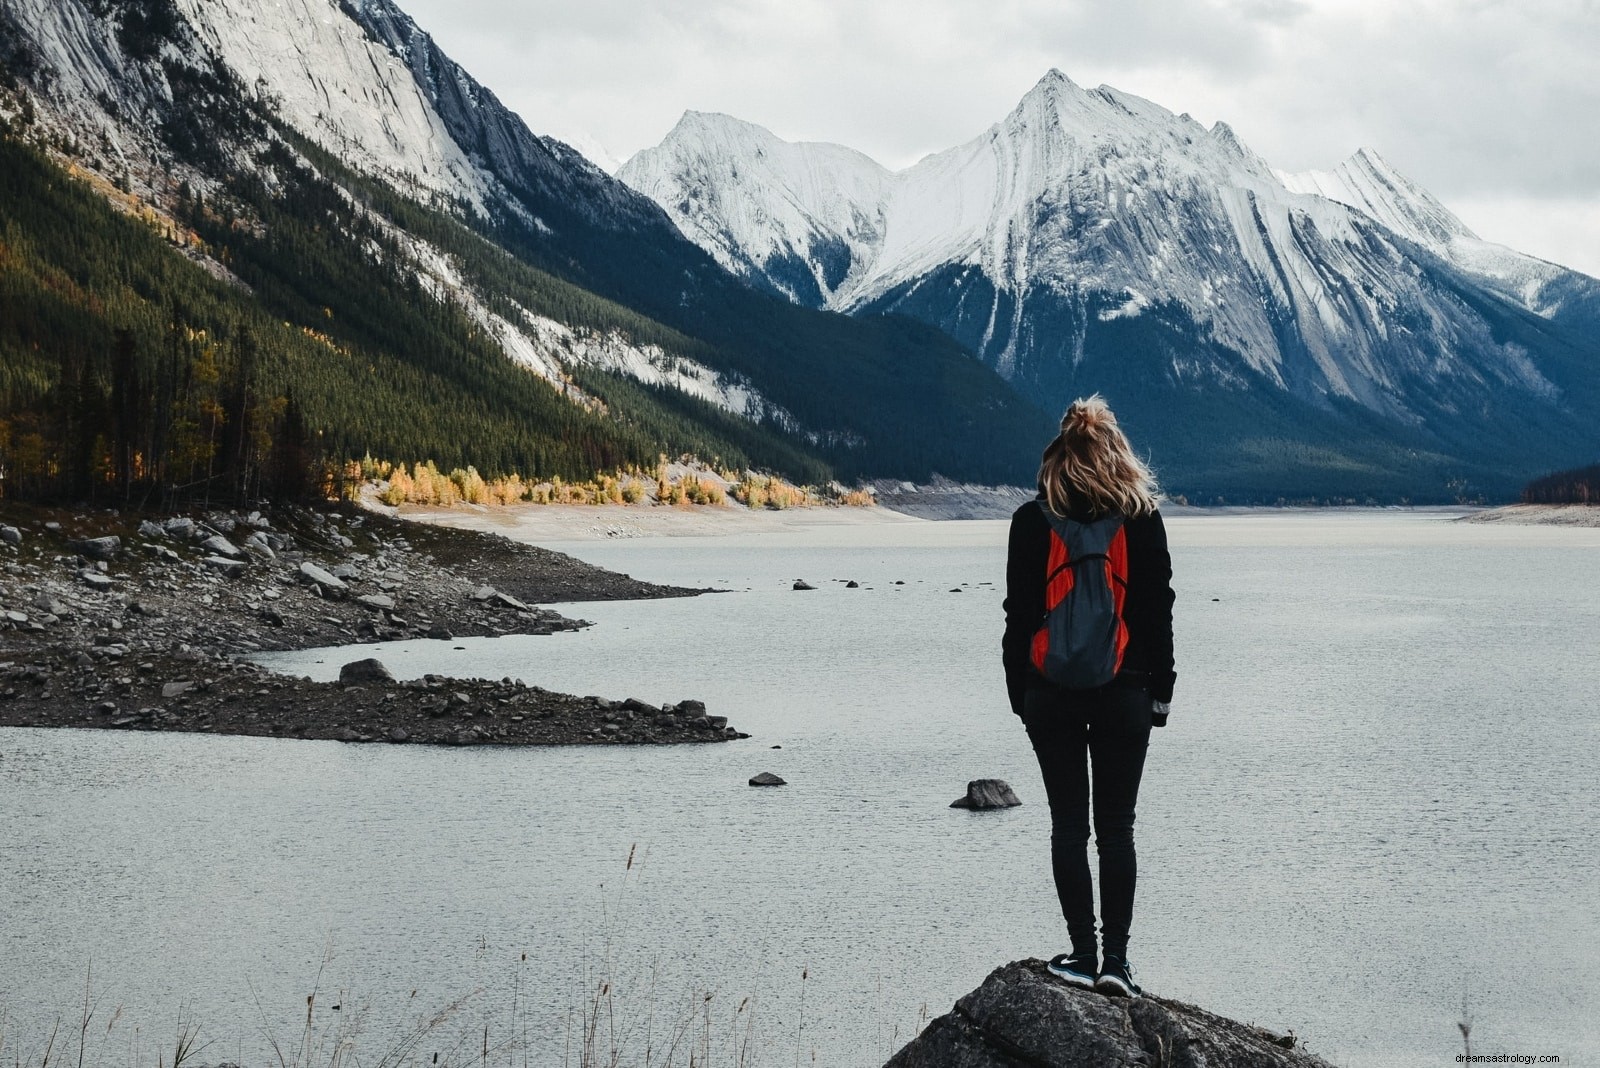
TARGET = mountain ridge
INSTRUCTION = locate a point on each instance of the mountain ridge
(1083, 210)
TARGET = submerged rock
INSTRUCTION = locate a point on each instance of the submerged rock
(1023, 1015)
(987, 793)
(802, 584)
(766, 778)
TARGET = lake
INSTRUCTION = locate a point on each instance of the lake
(1373, 815)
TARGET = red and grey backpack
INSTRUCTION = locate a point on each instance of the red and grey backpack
(1080, 642)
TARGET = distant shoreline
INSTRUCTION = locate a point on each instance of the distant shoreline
(1542, 515)
(538, 523)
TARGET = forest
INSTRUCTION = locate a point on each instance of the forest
(129, 373)
(1579, 486)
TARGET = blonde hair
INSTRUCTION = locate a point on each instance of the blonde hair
(1091, 458)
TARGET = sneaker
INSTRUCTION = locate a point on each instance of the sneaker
(1076, 968)
(1116, 978)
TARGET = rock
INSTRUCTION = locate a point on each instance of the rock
(1024, 1015)
(766, 778)
(316, 576)
(221, 546)
(440, 632)
(97, 548)
(987, 793)
(170, 690)
(802, 584)
(180, 527)
(272, 617)
(345, 734)
(150, 529)
(94, 580)
(717, 723)
(16, 617)
(368, 670)
(692, 708)
(346, 571)
(10, 535)
(483, 593)
(376, 600)
(258, 544)
(227, 565)
(509, 601)
(50, 606)
(398, 734)
(852, 585)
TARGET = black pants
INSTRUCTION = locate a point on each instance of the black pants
(1070, 730)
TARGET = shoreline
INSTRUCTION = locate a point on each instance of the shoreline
(1540, 515)
(135, 621)
(534, 523)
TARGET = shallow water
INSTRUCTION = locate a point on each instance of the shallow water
(1374, 810)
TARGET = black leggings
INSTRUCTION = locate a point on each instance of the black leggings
(1110, 728)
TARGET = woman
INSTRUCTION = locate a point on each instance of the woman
(1089, 473)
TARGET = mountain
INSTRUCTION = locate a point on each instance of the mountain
(1337, 332)
(334, 171)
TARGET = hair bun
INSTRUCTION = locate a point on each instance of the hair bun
(1087, 414)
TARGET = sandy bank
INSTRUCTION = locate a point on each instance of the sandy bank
(1553, 515)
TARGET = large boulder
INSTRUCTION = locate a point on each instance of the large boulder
(313, 575)
(225, 564)
(97, 548)
(1023, 1015)
(987, 793)
(368, 670)
(217, 545)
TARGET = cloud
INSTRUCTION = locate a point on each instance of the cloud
(1480, 101)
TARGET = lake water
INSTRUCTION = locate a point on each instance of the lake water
(1374, 813)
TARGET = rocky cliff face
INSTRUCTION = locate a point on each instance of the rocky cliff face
(1024, 1016)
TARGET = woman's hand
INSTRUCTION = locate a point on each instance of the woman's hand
(1158, 713)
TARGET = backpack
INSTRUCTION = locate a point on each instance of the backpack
(1080, 642)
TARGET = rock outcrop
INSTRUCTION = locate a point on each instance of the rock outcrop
(1024, 1017)
(987, 793)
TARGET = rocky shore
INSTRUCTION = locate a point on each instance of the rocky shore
(139, 622)
(1024, 1016)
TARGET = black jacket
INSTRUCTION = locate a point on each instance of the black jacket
(1147, 608)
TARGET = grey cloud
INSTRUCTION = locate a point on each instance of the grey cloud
(1479, 99)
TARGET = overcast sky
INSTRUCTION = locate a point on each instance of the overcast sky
(1493, 106)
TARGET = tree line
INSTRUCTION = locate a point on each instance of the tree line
(1580, 485)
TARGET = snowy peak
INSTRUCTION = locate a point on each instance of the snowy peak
(1369, 184)
(1085, 206)
(797, 215)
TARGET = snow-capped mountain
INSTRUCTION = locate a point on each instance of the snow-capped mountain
(1092, 238)
(805, 218)
(167, 97)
